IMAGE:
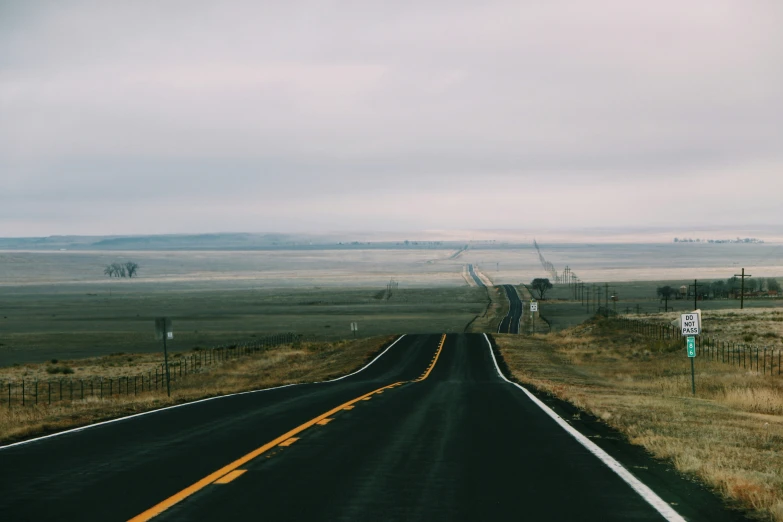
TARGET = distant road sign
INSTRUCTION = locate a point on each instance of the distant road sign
(163, 324)
(534, 306)
(691, 324)
(354, 327)
(691, 343)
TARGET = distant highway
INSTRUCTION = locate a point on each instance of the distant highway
(428, 432)
(475, 277)
(512, 321)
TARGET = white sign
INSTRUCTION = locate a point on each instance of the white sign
(163, 324)
(354, 327)
(533, 306)
(691, 324)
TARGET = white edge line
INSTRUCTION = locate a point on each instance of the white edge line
(660, 505)
(81, 428)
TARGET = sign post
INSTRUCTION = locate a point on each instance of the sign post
(164, 331)
(691, 327)
(533, 310)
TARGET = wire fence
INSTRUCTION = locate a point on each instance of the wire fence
(762, 359)
(29, 392)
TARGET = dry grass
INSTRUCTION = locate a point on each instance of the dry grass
(109, 366)
(729, 435)
(305, 362)
(496, 310)
(758, 326)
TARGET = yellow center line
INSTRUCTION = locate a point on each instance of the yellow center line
(231, 476)
(288, 442)
(324, 422)
(230, 472)
(209, 479)
(434, 360)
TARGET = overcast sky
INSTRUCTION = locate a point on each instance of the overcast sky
(187, 116)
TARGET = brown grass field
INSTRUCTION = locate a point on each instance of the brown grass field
(760, 327)
(302, 362)
(729, 435)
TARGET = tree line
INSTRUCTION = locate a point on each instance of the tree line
(128, 269)
(722, 289)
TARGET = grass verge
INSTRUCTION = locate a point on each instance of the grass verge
(729, 436)
(496, 310)
(303, 362)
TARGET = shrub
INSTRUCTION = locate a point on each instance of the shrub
(59, 369)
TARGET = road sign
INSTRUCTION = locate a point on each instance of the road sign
(534, 306)
(163, 330)
(690, 324)
(161, 324)
(691, 342)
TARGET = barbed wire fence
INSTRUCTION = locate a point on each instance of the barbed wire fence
(30, 392)
(762, 359)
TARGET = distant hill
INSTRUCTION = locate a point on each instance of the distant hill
(223, 241)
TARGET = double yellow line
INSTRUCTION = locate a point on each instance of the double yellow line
(434, 360)
(232, 471)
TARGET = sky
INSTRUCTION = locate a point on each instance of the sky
(144, 117)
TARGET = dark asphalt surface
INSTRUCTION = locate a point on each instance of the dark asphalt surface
(475, 277)
(510, 323)
(460, 445)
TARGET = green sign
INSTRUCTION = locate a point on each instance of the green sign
(691, 346)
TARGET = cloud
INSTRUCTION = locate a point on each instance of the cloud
(194, 105)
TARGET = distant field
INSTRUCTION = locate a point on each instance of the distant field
(68, 323)
(243, 269)
(59, 304)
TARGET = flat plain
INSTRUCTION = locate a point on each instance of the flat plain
(60, 305)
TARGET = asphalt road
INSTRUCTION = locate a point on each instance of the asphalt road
(510, 323)
(440, 436)
(475, 277)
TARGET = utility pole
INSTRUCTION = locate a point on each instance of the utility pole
(606, 298)
(742, 288)
(587, 300)
(695, 286)
(597, 298)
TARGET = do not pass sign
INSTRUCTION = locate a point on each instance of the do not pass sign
(691, 324)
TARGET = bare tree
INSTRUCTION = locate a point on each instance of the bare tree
(119, 270)
(132, 268)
